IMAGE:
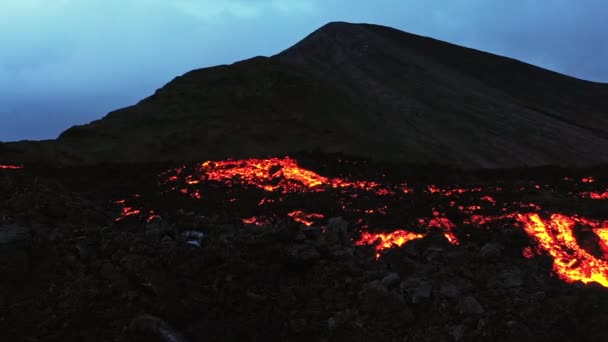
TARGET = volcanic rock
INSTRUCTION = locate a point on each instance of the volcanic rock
(376, 299)
(298, 325)
(390, 280)
(13, 234)
(490, 251)
(151, 328)
(421, 293)
(449, 291)
(304, 255)
(337, 230)
(469, 305)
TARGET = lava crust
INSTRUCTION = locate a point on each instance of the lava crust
(312, 246)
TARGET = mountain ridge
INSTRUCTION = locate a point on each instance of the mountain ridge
(360, 89)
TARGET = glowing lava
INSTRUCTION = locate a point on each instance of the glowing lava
(598, 196)
(272, 174)
(127, 211)
(305, 219)
(257, 221)
(382, 241)
(570, 261)
(451, 207)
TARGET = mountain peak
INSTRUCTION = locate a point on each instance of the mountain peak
(364, 90)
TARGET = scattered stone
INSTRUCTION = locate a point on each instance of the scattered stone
(511, 279)
(377, 299)
(300, 236)
(457, 332)
(433, 254)
(491, 251)
(256, 297)
(13, 233)
(470, 306)
(151, 328)
(539, 296)
(298, 325)
(391, 280)
(312, 232)
(305, 254)
(422, 293)
(337, 230)
(193, 237)
(449, 291)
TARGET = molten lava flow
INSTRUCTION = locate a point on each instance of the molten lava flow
(127, 211)
(272, 174)
(261, 173)
(305, 219)
(257, 221)
(489, 199)
(443, 223)
(570, 261)
(369, 203)
(10, 167)
(597, 195)
(382, 241)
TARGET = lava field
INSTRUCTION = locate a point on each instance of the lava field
(318, 247)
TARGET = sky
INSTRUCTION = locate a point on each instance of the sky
(68, 62)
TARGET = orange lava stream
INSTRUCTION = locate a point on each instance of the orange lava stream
(556, 237)
(305, 219)
(257, 221)
(127, 211)
(274, 174)
(383, 241)
(598, 196)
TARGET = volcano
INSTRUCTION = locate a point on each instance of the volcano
(362, 185)
(359, 89)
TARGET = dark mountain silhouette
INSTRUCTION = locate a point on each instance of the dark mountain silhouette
(364, 90)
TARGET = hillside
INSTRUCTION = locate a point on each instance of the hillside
(363, 90)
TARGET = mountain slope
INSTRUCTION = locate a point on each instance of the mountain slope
(361, 89)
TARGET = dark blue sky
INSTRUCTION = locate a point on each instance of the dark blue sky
(66, 62)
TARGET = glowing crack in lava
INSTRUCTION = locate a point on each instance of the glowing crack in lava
(303, 218)
(597, 195)
(127, 211)
(257, 221)
(10, 167)
(570, 261)
(272, 174)
(382, 241)
(490, 206)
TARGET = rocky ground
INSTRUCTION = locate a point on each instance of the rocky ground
(70, 271)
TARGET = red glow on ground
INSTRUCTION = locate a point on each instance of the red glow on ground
(556, 237)
(382, 241)
(257, 221)
(305, 219)
(598, 196)
(488, 198)
(282, 176)
(127, 211)
(528, 252)
(272, 175)
(10, 167)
